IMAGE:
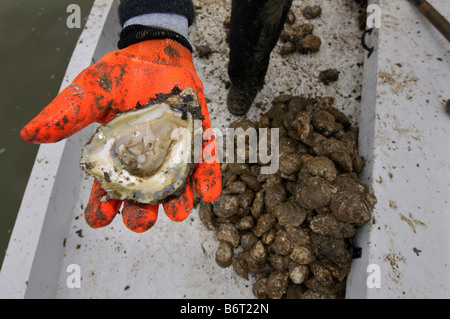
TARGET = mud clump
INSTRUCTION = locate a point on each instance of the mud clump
(309, 44)
(289, 232)
(288, 48)
(290, 18)
(312, 12)
(329, 76)
(204, 51)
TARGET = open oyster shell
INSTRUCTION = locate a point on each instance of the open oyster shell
(146, 154)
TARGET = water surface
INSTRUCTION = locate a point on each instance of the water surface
(35, 48)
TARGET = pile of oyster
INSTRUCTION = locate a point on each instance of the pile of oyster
(292, 230)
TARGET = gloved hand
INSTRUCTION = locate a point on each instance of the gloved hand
(119, 81)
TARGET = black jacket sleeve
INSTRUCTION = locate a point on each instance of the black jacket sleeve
(132, 8)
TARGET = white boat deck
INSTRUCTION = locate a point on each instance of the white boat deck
(403, 137)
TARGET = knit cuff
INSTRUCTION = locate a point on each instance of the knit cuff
(132, 8)
(169, 21)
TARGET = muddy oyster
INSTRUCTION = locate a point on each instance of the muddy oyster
(146, 154)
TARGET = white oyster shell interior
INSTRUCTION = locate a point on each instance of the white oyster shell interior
(143, 155)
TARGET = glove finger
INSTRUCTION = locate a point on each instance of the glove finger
(208, 181)
(139, 217)
(99, 214)
(85, 101)
(179, 208)
(207, 174)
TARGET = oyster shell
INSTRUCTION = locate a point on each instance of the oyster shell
(146, 154)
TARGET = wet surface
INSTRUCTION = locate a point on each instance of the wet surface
(35, 49)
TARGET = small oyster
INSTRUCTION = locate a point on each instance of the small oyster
(146, 154)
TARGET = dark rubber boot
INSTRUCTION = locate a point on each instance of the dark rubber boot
(255, 28)
(239, 100)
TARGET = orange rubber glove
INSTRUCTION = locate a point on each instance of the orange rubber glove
(119, 81)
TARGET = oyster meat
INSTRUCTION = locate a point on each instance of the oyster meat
(146, 154)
